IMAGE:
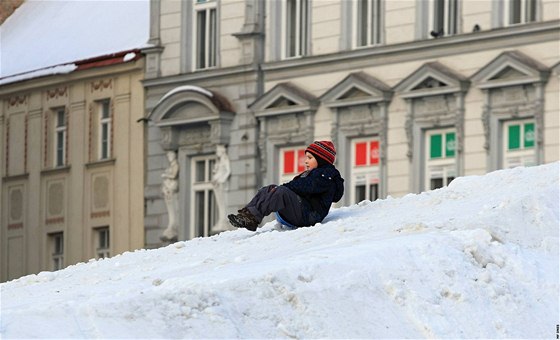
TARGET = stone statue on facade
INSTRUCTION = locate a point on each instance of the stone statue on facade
(170, 190)
(220, 176)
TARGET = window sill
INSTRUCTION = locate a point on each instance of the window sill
(60, 169)
(14, 178)
(101, 163)
(205, 69)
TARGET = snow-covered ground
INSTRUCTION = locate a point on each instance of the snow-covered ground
(478, 259)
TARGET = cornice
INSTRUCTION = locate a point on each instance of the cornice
(507, 37)
(205, 75)
(46, 82)
(422, 49)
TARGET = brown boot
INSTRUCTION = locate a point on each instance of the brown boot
(244, 220)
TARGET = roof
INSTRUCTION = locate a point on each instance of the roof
(45, 35)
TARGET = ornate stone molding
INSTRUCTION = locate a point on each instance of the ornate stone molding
(359, 109)
(192, 110)
(486, 126)
(68, 134)
(26, 129)
(14, 226)
(57, 93)
(434, 95)
(100, 214)
(513, 86)
(101, 85)
(285, 114)
(16, 101)
(46, 118)
(7, 161)
(54, 220)
(408, 126)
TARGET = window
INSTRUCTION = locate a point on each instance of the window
(104, 130)
(103, 246)
(367, 14)
(204, 210)
(443, 17)
(205, 30)
(440, 158)
(296, 28)
(365, 169)
(520, 11)
(519, 143)
(60, 137)
(292, 163)
(56, 246)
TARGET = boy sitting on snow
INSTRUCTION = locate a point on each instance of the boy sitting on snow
(303, 201)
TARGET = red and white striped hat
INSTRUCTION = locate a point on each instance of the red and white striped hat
(324, 149)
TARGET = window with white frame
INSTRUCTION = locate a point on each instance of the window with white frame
(440, 162)
(519, 11)
(104, 129)
(102, 243)
(368, 22)
(60, 129)
(205, 33)
(295, 28)
(292, 163)
(365, 176)
(56, 246)
(443, 17)
(204, 210)
(518, 146)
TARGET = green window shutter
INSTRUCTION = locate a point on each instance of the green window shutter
(435, 146)
(529, 135)
(514, 137)
(450, 144)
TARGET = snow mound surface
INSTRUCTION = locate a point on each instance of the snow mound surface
(478, 259)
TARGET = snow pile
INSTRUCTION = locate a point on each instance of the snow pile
(478, 259)
(43, 34)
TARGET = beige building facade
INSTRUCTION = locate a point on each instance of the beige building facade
(72, 141)
(414, 94)
(72, 165)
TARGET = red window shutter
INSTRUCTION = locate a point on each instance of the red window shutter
(361, 153)
(301, 160)
(289, 162)
(374, 152)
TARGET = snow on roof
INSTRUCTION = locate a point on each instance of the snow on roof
(185, 88)
(48, 71)
(44, 34)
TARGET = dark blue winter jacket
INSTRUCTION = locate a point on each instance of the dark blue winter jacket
(318, 188)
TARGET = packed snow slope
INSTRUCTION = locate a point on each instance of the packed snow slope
(478, 259)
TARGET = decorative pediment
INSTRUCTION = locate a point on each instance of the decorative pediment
(511, 68)
(432, 79)
(187, 105)
(356, 89)
(284, 98)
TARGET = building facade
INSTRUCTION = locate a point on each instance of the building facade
(72, 168)
(72, 154)
(413, 93)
